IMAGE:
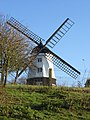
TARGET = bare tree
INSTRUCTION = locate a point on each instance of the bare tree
(15, 51)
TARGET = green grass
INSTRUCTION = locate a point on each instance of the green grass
(44, 103)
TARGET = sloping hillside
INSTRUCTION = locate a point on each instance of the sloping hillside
(44, 103)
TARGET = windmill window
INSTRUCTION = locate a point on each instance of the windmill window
(39, 69)
(39, 59)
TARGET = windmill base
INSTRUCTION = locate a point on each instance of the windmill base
(41, 81)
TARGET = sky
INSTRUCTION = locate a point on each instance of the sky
(43, 17)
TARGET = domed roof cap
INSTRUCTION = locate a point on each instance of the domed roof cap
(39, 47)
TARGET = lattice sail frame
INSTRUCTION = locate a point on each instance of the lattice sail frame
(25, 31)
(59, 33)
(61, 64)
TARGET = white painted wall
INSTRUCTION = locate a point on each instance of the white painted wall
(45, 65)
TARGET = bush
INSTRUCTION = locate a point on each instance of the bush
(87, 84)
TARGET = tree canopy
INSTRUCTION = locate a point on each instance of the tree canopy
(15, 51)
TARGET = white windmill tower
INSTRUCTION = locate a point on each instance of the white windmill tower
(43, 72)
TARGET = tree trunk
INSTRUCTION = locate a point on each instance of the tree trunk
(5, 81)
(16, 77)
(2, 76)
(2, 72)
(6, 73)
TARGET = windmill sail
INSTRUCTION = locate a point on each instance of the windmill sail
(52, 41)
(25, 31)
(61, 64)
(59, 33)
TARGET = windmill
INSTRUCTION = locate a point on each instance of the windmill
(43, 73)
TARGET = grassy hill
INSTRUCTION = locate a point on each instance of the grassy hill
(44, 103)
